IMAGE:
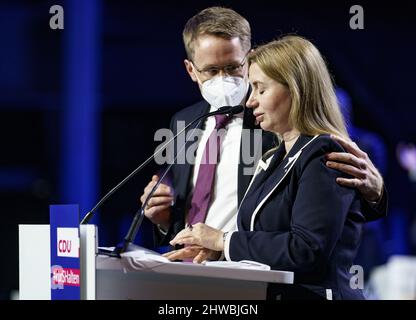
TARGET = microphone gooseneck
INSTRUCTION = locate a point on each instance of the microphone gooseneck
(222, 110)
(138, 218)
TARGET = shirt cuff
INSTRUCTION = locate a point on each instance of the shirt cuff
(375, 204)
(227, 245)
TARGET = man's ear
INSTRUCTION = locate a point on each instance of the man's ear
(190, 69)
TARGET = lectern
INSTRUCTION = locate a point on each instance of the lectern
(104, 277)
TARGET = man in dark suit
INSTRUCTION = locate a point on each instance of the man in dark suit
(217, 41)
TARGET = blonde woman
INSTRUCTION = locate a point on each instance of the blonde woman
(294, 215)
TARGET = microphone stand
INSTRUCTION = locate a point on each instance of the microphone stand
(127, 244)
(90, 213)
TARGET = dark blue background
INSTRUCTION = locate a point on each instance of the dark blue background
(79, 106)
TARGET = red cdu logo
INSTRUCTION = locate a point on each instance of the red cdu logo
(67, 242)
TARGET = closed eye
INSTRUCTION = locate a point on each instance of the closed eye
(211, 71)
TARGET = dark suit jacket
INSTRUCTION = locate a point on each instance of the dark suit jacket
(295, 217)
(181, 173)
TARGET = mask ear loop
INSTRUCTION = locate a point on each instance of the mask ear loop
(195, 73)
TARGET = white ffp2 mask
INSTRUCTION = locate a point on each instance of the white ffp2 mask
(224, 91)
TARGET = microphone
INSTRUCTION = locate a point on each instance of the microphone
(127, 244)
(222, 110)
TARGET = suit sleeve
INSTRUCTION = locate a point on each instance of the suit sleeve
(318, 215)
(375, 211)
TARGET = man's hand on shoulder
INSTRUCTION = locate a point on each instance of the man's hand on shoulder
(365, 176)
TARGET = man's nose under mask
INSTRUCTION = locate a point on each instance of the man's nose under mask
(224, 91)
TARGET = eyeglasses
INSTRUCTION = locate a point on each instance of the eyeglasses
(231, 69)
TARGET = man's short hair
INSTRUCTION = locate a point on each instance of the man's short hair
(216, 21)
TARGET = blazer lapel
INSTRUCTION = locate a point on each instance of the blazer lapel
(282, 171)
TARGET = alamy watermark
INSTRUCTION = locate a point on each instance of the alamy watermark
(56, 283)
(57, 20)
(183, 149)
(357, 278)
(357, 20)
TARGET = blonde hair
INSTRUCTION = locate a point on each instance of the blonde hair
(296, 63)
(217, 21)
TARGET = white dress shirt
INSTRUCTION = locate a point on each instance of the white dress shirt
(222, 212)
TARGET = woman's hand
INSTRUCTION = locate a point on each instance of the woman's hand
(197, 253)
(201, 235)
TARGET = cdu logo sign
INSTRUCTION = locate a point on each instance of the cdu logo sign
(67, 242)
(65, 246)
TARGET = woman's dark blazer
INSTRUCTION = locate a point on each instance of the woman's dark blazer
(296, 217)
